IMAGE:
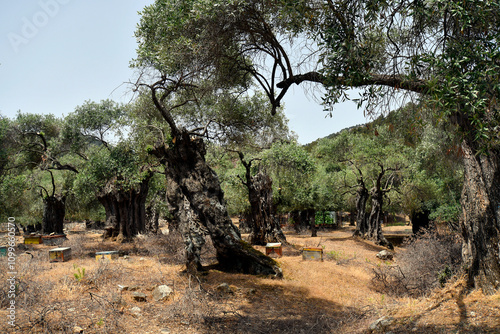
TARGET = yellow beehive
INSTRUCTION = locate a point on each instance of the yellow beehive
(106, 256)
(312, 253)
(33, 239)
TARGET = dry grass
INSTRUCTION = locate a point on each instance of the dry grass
(332, 296)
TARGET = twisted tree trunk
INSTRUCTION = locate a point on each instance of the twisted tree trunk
(361, 222)
(264, 223)
(480, 223)
(54, 209)
(374, 221)
(199, 207)
(125, 210)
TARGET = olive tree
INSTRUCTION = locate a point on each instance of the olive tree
(112, 170)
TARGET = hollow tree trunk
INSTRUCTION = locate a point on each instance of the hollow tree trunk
(125, 210)
(419, 221)
(199, 188)
(54, 210)
(361, 222)
(264, 223)
(374, 226)
(480, 223)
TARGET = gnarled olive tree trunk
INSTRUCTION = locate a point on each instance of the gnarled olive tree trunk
(125, 210)
(264, 223)
(361, 222)
(374, 221)
(480, 223)
(54, 210)
(200, 208)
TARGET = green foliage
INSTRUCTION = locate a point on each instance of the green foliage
(19, 199)
(291, 168)
(79, 274)
(428, 171)
(93, 123)
(117, 167)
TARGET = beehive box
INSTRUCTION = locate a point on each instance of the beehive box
(106, 256)
(312, 253)
(33, 239)
(60, 254)
(3, 250)
(274, 248)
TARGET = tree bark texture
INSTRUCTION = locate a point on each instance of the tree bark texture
(192, 230)
(54, 209)
(374, 221)
(198, 205)
(311, 215)
(152, 219)
(125, 210)
(244, 222)
(361, 222)
(265, 225)
(480, 223)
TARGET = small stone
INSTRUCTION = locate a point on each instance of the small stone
(77, 329)
(135, 310)
(385, 255)
(134, 288)
(122, 287)
(165, 331)
(184, 322)
(139, 296)
(162, 292)
(224, 288)
(381, 323)
(71, 310)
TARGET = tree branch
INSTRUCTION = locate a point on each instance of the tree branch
(396, 81)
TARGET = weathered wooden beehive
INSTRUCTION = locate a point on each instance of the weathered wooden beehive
(274, 248)
(33, 239)
(312, 253)
(60, 254)
(106, 256)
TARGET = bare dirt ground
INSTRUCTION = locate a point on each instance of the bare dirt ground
(331, 296)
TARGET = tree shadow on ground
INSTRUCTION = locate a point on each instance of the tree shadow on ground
(276, 308)
(464, 322)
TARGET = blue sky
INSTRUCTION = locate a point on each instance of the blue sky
(55, 54)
